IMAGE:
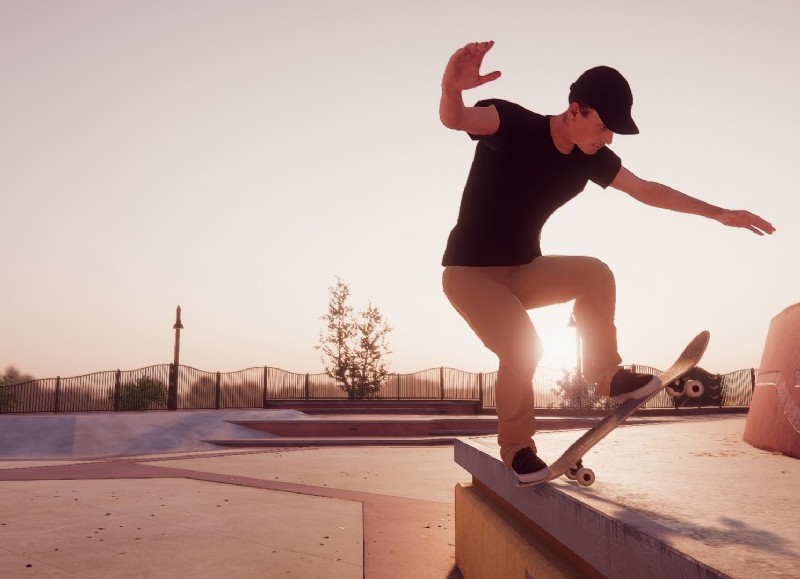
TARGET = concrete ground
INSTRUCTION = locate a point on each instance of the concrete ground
(274, 513)
(720, 497)
(199, 511)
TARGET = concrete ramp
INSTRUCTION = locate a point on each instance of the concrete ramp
(125, 433)
(773, 422)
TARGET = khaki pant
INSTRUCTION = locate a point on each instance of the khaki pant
(494, 302)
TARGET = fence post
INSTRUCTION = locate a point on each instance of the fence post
(57, 401)
(480, 390)
(117, 389)
(266, 393)
(172, 394)
(308, 394)
(397, 384)
(217, 391)
(441, 382)
(752, 380)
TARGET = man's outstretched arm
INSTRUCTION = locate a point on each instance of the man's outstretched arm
(463, 73)
(661, 196)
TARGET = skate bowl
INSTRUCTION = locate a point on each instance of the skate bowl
(773, 422)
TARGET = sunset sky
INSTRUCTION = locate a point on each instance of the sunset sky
(235, 156)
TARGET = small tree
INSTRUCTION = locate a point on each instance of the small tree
(14, 376)
(335, 345)
(144, 394)
(354, 348)
(8, 400)
(574, 392)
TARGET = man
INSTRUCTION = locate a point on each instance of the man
(526, 166)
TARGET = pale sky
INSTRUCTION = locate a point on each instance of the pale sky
(235, 156)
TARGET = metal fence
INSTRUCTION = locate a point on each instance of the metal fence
(158, 388)
(737, 387)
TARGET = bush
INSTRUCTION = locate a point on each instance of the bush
(574, 392)
(144, 394)
(8, 400)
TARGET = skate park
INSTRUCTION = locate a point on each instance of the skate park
(234, 157)
(196, 493)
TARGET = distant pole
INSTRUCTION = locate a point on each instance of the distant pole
(172, 402)
(578, 363)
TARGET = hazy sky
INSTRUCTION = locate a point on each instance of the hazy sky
(234, 156)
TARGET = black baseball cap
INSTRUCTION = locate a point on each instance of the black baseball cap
(606, 91)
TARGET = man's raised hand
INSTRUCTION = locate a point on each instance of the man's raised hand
(463, 68)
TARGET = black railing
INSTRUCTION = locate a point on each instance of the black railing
(737, 387)
(148, 389)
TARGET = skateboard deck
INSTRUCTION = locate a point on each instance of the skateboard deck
(570, 463)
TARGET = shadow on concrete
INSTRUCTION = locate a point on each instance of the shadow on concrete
(731, 532)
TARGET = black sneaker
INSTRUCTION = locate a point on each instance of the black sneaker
(626, 385)
(529, 467)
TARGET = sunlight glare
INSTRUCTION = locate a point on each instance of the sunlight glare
(557, 337)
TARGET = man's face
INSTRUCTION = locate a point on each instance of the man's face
(588, 131)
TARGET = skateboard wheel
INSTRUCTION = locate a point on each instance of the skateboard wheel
(585, 477)
(693, 388)
(572, 473)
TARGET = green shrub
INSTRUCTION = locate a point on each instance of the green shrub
(8, 400)
(144, 394)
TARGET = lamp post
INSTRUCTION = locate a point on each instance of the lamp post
(578, 363)
(172, 401)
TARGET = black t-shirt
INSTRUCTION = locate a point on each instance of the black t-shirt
(517, 180)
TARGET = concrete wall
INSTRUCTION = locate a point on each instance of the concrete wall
(773, 422)
(493, 540)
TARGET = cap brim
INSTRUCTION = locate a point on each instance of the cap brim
(623, 127)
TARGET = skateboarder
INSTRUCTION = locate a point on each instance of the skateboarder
(527, 165)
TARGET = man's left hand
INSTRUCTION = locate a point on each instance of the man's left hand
(747, 220)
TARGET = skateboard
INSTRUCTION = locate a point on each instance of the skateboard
(571, 462)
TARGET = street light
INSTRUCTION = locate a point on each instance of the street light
(172, 401)
(578, 364)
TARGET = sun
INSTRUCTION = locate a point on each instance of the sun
(558, 338)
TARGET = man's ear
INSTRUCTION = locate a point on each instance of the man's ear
(574, 110)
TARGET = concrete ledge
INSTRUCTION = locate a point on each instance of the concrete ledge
(401, 426)
(357, 426)
(612, 541)
(494, 541)
(378, 406)
(304, 441)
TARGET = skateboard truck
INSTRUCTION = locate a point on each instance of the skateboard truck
(691, 388)
(578, 472)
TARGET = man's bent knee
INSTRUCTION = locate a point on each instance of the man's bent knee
(600, 272)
